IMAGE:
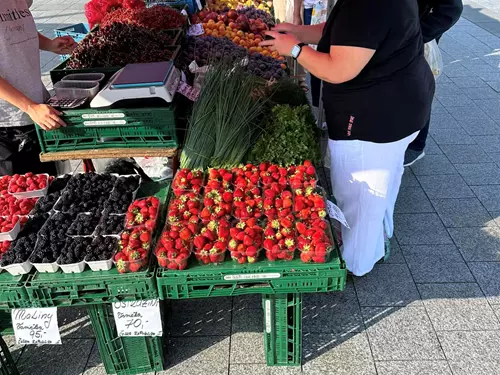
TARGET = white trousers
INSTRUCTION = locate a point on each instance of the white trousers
(366, 177)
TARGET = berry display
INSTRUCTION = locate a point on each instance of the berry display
(247, 203)
(273, 177)
(184, 208)
(28, 182)
(277, 204)
(84, 225)
(156, 18)
(75, 250)
(4, 247)
(143, 211)
(309, 204)
(56, 226)
(46, 203)
(302, 176)
(7, 223)
(314, 241)
(73, 202)
(219, 178)
(217, 204)
(91, 182)
(47, 249)
(102, 248)
(120, 44)
(246, 176)
(210, 244)
(174, 246)
(110, 224)
(4, 184)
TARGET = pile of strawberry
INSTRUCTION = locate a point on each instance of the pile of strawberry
(247, 203)
(246, 176)
(219, 178)
(175, 245)
(10, 205)
(314, 241)
(217, 204)
(210, 244)
(302, 176)
(277, 204)
(184, 208)
(309, 203)
(280, 239)
(246, 241)
(134, 248)
(187, 181)
(28, 182)
(143, 211)
(273, 177)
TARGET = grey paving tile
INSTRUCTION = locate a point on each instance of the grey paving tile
(480, 127)
(473, 113)
(337, 313)
(447, 89)
(247, 339)
(409, 179)
(387, 285)
(250, 301)
(479, 367)
(412, 200)
(486, 274)
(432, 165)
(429, 270)
(489, 143)
(495, 85)
(465, 153)
(451, 137)
(98, 370)
(470, 345)
(420, 229)
(401, 334)
(431, 147)
(478, 93)
(34, 358)
(322, 351)
(490, 106)
(443, 121)
(462, 212)
(479, 173)
(74, 323)
(477, 244)
(214, 367)
(496, 217)
(461, 100)
(467, 82)
(446, 186)
(183, 351)
(455, 307)
(441, 253)
(456, 70)
(217, 305)
(438, 107)
(495, 157)
(489, 196)
(413, 368)
(262, 369)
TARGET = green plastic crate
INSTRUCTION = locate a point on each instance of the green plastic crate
(6, 323)
(263, 277)
(124, 355)
(283, 329)
(89, 129)
(13, 291)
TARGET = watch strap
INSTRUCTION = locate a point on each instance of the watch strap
(300, 45)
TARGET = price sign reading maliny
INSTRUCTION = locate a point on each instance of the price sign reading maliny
(36, 326)
(138, 318)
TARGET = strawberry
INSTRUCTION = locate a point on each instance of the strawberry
(141, 211)
(302, 176)
(219, 178)
(217, 204)
(247, 203)
(315, 242)
(187, 181)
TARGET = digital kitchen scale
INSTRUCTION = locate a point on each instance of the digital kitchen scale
(139, 81)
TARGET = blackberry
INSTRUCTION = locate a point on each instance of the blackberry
(59, 184)
(84, 225)
(127, 184)
(118, 202)
(20, 250)
(110, 224)
(75, 250)
(102, 248)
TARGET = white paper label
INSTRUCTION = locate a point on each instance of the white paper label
(253, 276)
(89, 116)
(36, 326)
(268, 315)
(138, 318)
(184, 13)
(336, 213)
(196, 29)
(105, 122)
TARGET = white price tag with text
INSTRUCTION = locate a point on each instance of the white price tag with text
(36, 326)
(336, 213)
(196, 29)
(138, 318)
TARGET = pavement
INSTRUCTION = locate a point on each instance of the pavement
(432, 309)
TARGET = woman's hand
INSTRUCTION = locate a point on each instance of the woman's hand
(285, 27)
(45, 116)
(283, 43)
(62, 45)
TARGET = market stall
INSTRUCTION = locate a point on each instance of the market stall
(244, 214)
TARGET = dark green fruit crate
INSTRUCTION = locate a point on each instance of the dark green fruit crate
(89, 129)
(13, 292)
(124, 355)
(263, 277)
(283, 329)
(7, 364)
(6, 323)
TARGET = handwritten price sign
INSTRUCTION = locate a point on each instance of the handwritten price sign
(138, 318)
(36, 326)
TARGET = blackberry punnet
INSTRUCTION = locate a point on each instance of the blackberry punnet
(127, 184)
(118, 202)
(84, 225)
(45, 204)
(110, 224)
(20, 250)
(75, 250)
(102, 248)
(59, 184)
(48, 249)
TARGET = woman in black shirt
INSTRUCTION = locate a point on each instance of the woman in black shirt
(377, 94)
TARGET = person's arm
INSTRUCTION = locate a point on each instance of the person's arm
(42, 114)
(297, 11)
(306, 34)
(444, 14)
(62, 45)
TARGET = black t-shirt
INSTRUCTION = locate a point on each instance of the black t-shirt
(391, 98)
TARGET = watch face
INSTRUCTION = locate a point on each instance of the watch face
(295, 51)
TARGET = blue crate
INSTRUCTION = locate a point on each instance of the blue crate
(77, 32)
(192, 6)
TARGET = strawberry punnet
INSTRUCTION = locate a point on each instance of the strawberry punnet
(143, 212)
(247, 203)
(246, 176)
(246, 241)
(187, 181)
(280, 239)
(314, 241)
(273, 177)
(134, 246)
(174, 246)
(210, 244)
(277, 204)
(309, 203)
(302, 176)
(217, 204)
(184, 208)
(219, 178)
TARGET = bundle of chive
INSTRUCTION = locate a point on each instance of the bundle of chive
(225, 120)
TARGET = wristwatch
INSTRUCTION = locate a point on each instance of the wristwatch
(296, 50)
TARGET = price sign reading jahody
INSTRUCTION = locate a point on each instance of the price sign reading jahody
(36, 326)
(138, 318)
